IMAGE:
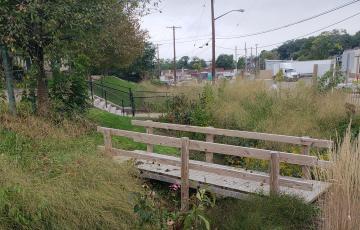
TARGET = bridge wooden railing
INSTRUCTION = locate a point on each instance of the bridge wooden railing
(305, 142)
(275, 157)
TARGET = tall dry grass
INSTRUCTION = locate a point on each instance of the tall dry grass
(253, 105)
(53, 177)
(298, 110)
(341, 204)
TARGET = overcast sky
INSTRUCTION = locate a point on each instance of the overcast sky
(194, 18)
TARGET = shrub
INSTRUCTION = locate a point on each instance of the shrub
(69, 90)
(279, 77)
(330, 80)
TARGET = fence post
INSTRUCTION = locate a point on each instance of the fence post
(209, 156)
(315, 75)
(184, 174)
(92, 90)
(102, 87)
(106, 104)
(123, 108)
(274, 173)
(149, 147)
(107, 141)
(132, 102)
(305, 169)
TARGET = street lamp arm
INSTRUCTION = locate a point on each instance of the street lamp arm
(241, 10)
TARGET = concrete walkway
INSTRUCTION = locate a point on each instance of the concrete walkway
(118, 110)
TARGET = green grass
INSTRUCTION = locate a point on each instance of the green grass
(257, 212)
(109, 120)
(119, 94)
(54, 178)
(118, 83)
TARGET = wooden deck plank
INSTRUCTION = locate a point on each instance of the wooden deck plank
(225, 185)
(214, 168)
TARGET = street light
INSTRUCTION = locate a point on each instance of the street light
(240, 10)
(213, 69)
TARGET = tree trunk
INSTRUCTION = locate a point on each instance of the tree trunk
(9, 79)
(42, 83)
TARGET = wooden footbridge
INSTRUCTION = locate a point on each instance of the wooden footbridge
(220, 179)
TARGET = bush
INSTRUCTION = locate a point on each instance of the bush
(69, 91)
(279, 77)
(330, 80)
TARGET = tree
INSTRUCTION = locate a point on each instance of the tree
(325, 45)
(144, 65)
(197, 63)
(183, 62)
(225, 61)
(166, 64)
(57, 29)
(241, 63)
(9, 78)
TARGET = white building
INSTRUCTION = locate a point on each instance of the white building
(304, 68)
(351, 62)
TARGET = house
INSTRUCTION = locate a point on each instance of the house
(351, 62)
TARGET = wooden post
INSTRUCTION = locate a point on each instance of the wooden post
(108, 142)
(92, 90)
(209, 156)
(149, 147)
(274, 173)
(315, 75)
(306, 169)
(184, 174)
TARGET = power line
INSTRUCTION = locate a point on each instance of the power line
(294, 23)
(205, 37)
(313, 32)
(298, 37)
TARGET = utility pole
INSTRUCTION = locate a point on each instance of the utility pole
(236, 60)
(357, 71)
(158, 60)
(256, 59)
(245, 58)
(251, 59)
(213, 65)
(174, 28)
(213, 69)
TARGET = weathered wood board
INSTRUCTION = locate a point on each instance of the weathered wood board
(224, 185)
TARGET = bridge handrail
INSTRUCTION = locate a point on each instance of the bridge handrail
(274, 157)
(260, 154)
(305, 141)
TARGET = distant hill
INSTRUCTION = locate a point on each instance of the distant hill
(326, 45)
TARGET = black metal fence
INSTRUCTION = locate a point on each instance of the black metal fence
(131, 100)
